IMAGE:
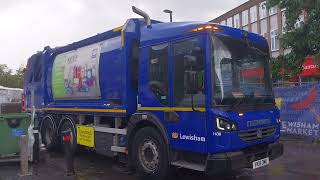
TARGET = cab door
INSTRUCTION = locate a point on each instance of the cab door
(186, 118)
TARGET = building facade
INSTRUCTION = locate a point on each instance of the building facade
(254, 16)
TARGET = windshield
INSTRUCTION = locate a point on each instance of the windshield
(240, 73)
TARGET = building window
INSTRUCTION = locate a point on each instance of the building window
(274, 22)
(183, 52)
(274, 40)
(253, 14)
(229, 22)
(223, 22)
(264, 28)
(245, 18)
(263, 10)
(273, 10)
(236, 21)
(254, 28)
(158, 72)
(246, 28)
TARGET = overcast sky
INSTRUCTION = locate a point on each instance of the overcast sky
(26, 26)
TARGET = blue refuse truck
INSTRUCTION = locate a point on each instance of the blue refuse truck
(195, 95)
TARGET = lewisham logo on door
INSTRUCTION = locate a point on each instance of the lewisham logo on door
(189, 137)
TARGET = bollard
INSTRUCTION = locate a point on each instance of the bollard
(68, 151)
(24, 156)
(36, 145)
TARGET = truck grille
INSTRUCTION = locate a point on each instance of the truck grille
(256, 134)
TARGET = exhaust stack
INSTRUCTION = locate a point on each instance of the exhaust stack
(143, 14)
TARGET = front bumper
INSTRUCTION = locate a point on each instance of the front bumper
(223, 163)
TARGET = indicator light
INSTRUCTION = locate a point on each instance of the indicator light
(207, 27)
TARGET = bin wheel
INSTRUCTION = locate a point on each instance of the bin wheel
(150, 154)
(48, 134)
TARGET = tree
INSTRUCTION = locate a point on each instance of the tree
(302, 41)
(8, 79)
(5, 73)
(19, 77)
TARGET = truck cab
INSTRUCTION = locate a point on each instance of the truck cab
(209, 86)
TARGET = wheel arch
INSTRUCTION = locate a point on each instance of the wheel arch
(141, 120)
(145, 119)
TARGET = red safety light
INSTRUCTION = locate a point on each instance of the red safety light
(66, 138)
(207, 27)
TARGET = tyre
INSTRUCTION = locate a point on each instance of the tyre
(150, 154)
(67, 125)
(48, 134)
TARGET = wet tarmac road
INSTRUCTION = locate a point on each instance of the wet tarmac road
(301, 161)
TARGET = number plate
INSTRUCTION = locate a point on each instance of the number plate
(260, 163)
(85, 136)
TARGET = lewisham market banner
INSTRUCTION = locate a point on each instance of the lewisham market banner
(300, 109)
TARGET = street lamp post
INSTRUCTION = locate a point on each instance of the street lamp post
(170, 12)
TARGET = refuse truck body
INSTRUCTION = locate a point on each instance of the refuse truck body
(195, 95)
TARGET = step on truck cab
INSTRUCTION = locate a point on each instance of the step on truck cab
(195, 95)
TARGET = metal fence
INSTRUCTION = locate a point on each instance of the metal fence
(10, 94)
(292, 84)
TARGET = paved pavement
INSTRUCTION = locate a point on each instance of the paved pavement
(301, 161)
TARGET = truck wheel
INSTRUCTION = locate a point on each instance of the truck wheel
(150, 154)
(68, 126)
(48, 134)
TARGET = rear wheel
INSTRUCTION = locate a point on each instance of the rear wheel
(48, 129)
(150, 154)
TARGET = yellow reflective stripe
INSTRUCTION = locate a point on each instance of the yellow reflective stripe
(30, 109)
(170, 109)
(86, 110)
(117, 29)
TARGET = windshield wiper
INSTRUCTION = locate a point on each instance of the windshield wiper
(250, 98)
(238, 102)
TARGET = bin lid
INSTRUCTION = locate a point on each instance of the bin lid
(14, 116)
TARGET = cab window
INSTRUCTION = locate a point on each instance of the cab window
(158, 72)
(184, 52)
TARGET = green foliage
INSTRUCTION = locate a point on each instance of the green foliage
(10, 79)
(302, 41)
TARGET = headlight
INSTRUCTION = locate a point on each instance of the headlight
(225, 125)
